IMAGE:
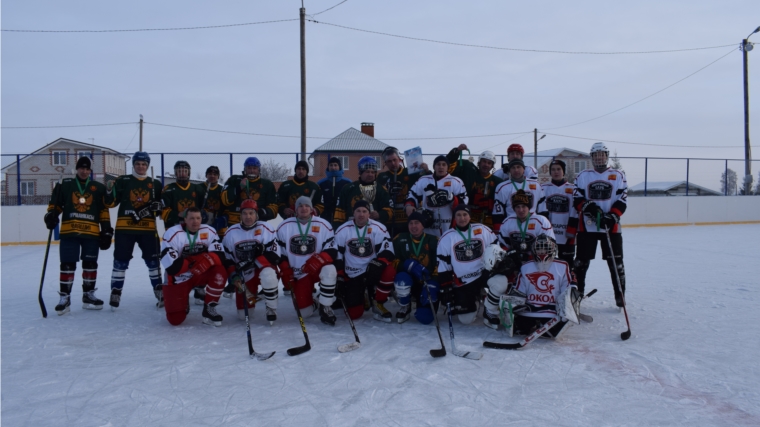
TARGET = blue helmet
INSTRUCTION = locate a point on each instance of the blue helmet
(367, 163)
(141, 156)
(252, 161)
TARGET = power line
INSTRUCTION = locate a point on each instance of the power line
(67, 126)
(509, 140)
(646, 97)
(151, 29)
(521, 49)
(643, 143)
(330, 8)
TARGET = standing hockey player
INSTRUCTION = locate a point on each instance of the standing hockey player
(252, 246)
(517, 181)
(397, 181)
(213, 200)
(307, 244)
(178, 196)
(439, 193)
(460, 263)
(478, 180)
(416, 265)
(300, 185)
(331, 187)
(559, 208)
(86, 228)
(365, 188)
(139, 199)
(192, 255)
(249, 185)
(601, 197)
(515, 151)
(365, 254)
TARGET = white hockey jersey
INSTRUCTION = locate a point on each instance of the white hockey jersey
(176, 245)
(356, 255)
(502, 199)
(318, 237)
(425, 192)
(463, 259)
(246, 245)
(512, 230)
(558, 201)
(543, 288)
(530, 173)
(607, 189)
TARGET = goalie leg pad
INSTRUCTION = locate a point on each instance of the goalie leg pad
(269, 283)
(497, 286)
(568, 306)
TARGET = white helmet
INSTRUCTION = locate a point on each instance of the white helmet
(493, 256)
(599, 161)
(487, 155)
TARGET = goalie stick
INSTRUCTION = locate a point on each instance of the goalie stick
(474, 355)
(627, 334)
(251, 352)
(436, 352)
(354, 345)
(295, 351)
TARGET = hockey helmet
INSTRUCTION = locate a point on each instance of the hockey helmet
(252, 161)
(213, 169)
(599, 155)
(141, 156)
(367, 163)
(389, 151)
(249, 204)
(515, 147)
(487, 155)
(181, 164)
(544, 248)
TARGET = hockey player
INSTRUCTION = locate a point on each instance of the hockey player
(307, 244)
(212, 202)
(397, 181)
(460, 264)
(558, 204)
(192, 255)
(515, 151)
(86, 228)
(252, 246)
(601, 197)
(517, 181)
(139, 201)
(331, 187)
(520, 230)
(438, 194)
(249, 185)
(478, 180)
(300, 185)
(365, 188)
(365, 254)
(416, 271)
(178, 196)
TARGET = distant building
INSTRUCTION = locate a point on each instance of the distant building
(670, 188)
(42, 169)
(576, 162)
(349, 146)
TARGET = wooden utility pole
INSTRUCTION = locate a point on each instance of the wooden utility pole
(141, 126)
(303, 81)
(535, 148)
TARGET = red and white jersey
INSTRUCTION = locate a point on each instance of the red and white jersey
(503, 197)
(357, 246)
(246, 245)
(178, 243)
(464, 259)
(530, 173)
(608, 189)
(558, 201)
(423, 194)
(514, 232)
(298, 244)
(543, 288)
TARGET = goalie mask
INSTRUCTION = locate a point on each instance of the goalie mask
(544, 248)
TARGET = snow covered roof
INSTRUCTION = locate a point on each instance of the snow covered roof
(352, 140)
(669, 186)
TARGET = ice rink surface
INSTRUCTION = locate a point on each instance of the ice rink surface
(693, 296)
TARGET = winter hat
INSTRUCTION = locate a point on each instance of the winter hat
(84, 162)
(520, 197)
(303, 200)
(515, 162)
(416, 216)
(335, 160)
(361, 204)
(560, 163)
(302, 164)
(440, 159)
(461, 207)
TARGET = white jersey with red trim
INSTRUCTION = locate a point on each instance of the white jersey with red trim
(543, 288)
(357, 246)
(558, 201)
(503, 197)
(427, 190)
(514, 232)
(530, 173)
(246, 245)
(464, 259)
(299, 244)
(177, 244)
(605, 189)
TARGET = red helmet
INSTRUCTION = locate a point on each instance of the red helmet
(249, 204)
(515, 147)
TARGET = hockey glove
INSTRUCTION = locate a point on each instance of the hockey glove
(415, 269)
(315, 263)
(610, 220)
(237, 281)
(201, 264)
(394, 188)
(106, 235)
(51, 219)
(428, 220)
(152, 208)
(591, 208)
(287, 275)
(375, 268)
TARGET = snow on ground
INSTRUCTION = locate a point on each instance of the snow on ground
(692, 359)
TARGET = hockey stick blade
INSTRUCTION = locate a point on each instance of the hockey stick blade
(588, 295)
(625, 335)
(438, 352)
(472, 355)
(262, 356)
(502, 345)
(345, 348)
(585, 317)
(530, 338)
(295, 351)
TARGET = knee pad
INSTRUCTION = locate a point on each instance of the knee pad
(120, 265)
(90, 265)
(69, 267)
(498, 284)
(403, 284)
(268, 278)
(151, 263)
(424, 315)
(176, 318)
(328, 275)
(355, 312)
(467, 318)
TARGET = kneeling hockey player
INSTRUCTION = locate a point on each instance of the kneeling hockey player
(520, 230)
(416, 270)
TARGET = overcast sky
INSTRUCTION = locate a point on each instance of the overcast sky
(246, 78)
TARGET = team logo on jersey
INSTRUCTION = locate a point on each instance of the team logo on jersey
(558, 203)
(81, 202)
(254, 195)
(612, 177)
(468, 252)
(204, 236)
(516, 241)
(303, 245)
(139, 197)
(360, 251)
(248, 250)
(212, 204)
(569, 190)
(542, 281)
(257, 232)
(315, 229)
(531, 226)
(93, 188)
(600, 190)
(532, 186)
(478, 231)
(447, 184)
(184, 204)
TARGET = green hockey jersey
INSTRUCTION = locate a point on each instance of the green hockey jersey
(82, 205)
(405, 247)
(480, 190)
(260, 190)
(131, 193)
(290, 191)
(177, 199)
(351, 193)
(398, 189)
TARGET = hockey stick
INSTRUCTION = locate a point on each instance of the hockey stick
(514, 346)
(627, 334)
(585, 317)
(251, 352)
(474, 355)
(42, 279)
(354, 345)
(436, 352)
(295, 351)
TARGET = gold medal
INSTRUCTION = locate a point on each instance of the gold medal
(523, 246)
(303, 248)
(81, 200)
(361, 251)
(468, 252)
